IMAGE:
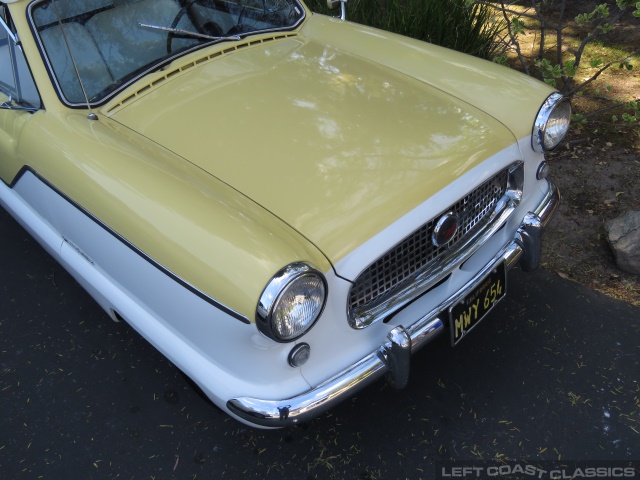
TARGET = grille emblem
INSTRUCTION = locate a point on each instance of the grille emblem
(445, 229)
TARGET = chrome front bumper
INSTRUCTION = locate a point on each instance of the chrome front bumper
(392, 358)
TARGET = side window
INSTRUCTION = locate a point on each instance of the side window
(16, 81)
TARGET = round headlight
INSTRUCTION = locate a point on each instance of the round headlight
(291, 302)
(552, 123)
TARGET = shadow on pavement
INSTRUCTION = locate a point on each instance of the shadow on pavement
(551, 375)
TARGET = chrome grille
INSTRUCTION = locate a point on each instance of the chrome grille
(416, 252)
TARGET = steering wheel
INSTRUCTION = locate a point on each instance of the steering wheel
(210, 28)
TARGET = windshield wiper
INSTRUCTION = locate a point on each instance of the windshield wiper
(179, 31)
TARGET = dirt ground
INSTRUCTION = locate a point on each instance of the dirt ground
(599, 180)
(598, 172)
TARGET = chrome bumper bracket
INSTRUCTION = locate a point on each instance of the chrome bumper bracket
(393, 356)
(529, 238)
(396, 355)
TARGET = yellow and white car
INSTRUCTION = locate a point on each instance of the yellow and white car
(286, 205)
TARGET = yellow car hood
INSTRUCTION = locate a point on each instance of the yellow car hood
(335, 145)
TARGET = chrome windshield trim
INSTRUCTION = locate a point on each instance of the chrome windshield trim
(8, 31)
(160, 64)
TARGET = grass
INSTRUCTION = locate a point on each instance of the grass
(600, 105)
(598, 160)
(619, 46)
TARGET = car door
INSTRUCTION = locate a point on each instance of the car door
(19, 97)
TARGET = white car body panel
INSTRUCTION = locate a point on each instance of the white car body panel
(227, 357)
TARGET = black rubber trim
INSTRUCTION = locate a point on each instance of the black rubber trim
(132, 247)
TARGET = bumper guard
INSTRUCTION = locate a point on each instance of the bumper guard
(392, 358)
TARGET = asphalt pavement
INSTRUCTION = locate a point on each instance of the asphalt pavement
(551, 377)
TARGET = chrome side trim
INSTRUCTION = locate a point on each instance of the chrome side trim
(391, 356)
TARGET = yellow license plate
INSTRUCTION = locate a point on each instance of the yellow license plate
(468, 312)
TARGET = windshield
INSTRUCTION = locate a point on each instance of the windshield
(112, 42)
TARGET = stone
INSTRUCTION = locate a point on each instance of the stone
(623, 235)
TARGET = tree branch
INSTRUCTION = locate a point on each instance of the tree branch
(514, 40)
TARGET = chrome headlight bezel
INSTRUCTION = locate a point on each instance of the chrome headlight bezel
(294, 276)
(552, 123)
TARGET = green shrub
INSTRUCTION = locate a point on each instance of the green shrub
(555, 53)
(448, 23)
(569, 50)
